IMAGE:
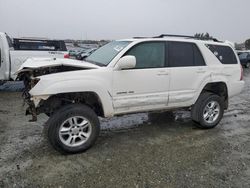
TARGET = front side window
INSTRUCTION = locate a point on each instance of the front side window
(148, 54)
(224, 54)
(104, 55)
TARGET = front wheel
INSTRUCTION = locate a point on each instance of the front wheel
(208, 110)
(73, 128)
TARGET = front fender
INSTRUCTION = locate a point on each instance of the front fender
(46, 88)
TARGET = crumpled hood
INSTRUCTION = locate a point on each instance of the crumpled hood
(34, 63)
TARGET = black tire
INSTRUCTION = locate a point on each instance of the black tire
(52, 127)
(198, 109)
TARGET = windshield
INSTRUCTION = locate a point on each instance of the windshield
(104, 55)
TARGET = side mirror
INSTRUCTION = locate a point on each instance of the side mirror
(126, 62)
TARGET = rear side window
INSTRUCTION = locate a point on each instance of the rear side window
(184, 54)
(198, 58)
(149, 54)
(224, 54)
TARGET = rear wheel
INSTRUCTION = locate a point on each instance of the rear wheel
(73, 128)
(208, 110)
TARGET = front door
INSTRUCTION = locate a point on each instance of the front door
(144, 87)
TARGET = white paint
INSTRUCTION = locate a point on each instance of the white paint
(138, 90)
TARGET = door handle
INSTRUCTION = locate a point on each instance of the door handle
(200, 70)
(162, 74)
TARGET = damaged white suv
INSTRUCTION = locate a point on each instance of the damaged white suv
(130, 76)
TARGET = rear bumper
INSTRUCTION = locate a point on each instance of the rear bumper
(236, 88)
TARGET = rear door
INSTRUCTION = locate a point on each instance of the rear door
(144, 87)
(187, 70)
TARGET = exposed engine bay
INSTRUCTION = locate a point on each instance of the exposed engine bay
(29, 76)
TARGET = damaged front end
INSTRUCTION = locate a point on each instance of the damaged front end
(29, 83)
(30, 78)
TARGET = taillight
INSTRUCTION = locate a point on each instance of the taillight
(66, 56)
(241, 73)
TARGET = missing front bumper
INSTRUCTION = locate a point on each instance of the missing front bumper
(31, 110)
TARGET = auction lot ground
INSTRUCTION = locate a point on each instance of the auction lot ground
(139, 150)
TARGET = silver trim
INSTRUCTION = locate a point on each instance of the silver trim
(75, 131)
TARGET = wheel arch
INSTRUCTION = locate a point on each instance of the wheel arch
(219, 88)
(98, 89)
(89, 98)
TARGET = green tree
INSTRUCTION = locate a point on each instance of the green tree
(247, 44)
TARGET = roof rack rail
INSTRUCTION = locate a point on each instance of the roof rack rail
(142, 37)
(185, 36)
(182, 36)
(170, 35)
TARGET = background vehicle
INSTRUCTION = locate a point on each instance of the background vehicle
(244, 58)
(14, 52)
(82, 55)
(75, 52)
(129, 76)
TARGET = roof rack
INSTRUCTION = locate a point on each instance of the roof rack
(181, 36)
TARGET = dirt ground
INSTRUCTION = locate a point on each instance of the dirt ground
(138, 150)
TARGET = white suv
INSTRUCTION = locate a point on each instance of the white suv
(130, 76)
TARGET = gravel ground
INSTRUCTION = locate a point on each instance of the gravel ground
(141, 150)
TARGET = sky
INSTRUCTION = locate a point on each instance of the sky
(116, 19)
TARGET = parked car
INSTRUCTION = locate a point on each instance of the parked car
(82, 55)
(244, 58)
(14, 52)
(73, 53)
(131, 76)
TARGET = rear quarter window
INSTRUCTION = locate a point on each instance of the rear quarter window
(224, 54)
